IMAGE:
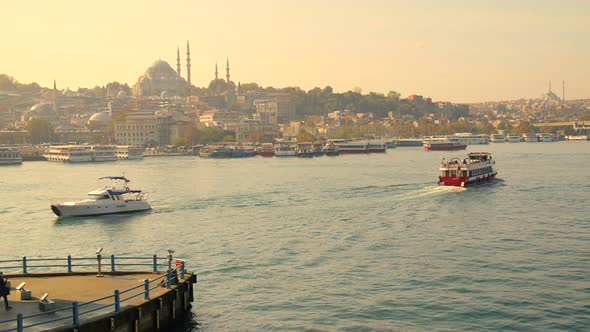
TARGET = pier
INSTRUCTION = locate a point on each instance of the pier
(96, 294)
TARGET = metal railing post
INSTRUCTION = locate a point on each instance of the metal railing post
(182, 268)
(147, 289)
(19, 323)
(24, 264)
(69, 264)
(113, 263)
(155, 263)
(76, 318)
(99, 258)
(170, 252)
(117, 301)
(168, 277)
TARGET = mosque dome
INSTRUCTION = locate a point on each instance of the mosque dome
(159, 77)
(122, 95)
(99, 119)
(41, 108)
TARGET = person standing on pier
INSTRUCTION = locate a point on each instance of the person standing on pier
(4, 290)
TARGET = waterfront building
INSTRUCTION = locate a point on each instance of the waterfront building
(251, 130)
(150, 128)
(266, 111)
(14, 136)
(139, 128)
(214, 117)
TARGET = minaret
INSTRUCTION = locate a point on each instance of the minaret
(178, 61)
(54, 97)
(188, 68)
(216, 73)
(563, 92)
(549, 85)
(227, 71)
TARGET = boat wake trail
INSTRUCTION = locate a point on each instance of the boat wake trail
(428, 191)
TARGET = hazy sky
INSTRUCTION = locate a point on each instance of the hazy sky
(455, 50)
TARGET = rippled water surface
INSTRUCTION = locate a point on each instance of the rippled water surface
(349, 243)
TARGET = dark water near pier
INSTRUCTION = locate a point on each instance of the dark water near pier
(349, 243)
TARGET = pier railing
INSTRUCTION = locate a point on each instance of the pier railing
(80, 310)
(71, 264)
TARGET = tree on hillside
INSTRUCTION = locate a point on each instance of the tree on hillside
(40, 131)
(304, 136)
(7, 83)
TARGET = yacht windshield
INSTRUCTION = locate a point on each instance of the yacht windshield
(95, 197)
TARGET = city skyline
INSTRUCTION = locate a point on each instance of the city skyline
(466, 51)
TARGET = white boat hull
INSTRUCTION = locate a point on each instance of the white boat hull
(78, 209)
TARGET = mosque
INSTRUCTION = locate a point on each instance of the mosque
(160, 79)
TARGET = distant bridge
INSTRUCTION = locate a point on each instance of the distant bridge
(578, 125)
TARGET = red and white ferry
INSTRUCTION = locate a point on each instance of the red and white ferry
(477, 168)
(267, 150)
(446, 144)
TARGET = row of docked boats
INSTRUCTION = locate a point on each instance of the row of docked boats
(92, 153)
(527, 137)
(461, 140)
(295, 149)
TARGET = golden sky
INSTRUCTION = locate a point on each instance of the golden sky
(454, 50)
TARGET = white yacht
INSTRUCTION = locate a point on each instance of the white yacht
(10, 156)
(116, 198)
(129, 152)
(69, 153)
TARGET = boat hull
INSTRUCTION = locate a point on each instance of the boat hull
(111, 207)
(464, 182)
(267, 153)
(445, 147)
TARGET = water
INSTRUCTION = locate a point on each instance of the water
(349, 243)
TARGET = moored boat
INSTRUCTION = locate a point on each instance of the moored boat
(407, 142)
(116, 198)
(497, 138)
(129, 152)
(10, 156)
(443, 145)
(477, 168)
(470, 139)
(242, 152)
(374, 146)
(351, 147)
(330, 149)
(267, 150)
(103, 153)
(69, 154)
(547, 137)
(577, 138)
(530, 137)
(513, 139)
(285, 150)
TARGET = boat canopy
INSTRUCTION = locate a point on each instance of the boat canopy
(114, 178)
(123, 192)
